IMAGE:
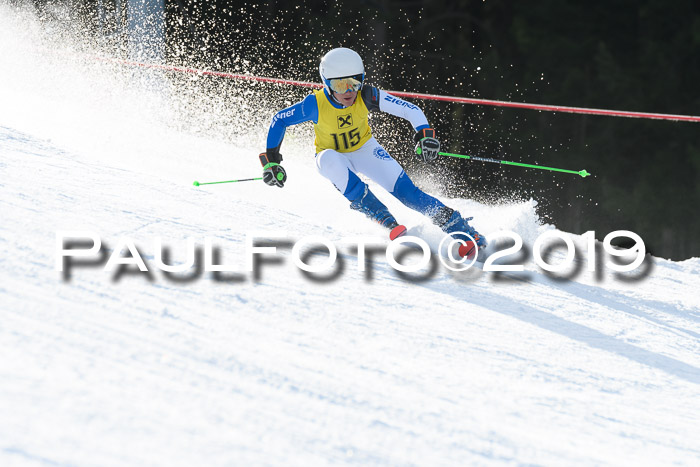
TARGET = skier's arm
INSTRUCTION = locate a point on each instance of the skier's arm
(304, 111)
(427, 146)
(273, 173)
(376, 99)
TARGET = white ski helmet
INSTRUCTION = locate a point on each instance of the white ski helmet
(341, 63)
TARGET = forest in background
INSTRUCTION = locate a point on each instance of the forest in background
(639, 55)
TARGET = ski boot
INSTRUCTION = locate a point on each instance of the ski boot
(368, 204)
(450, 221)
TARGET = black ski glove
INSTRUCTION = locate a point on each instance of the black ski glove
(427, 147)
(273, 172)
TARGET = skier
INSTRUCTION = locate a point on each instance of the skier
(345, 146)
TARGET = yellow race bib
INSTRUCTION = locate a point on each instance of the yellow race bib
(343, 129)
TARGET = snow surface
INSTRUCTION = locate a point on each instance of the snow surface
(366, 368)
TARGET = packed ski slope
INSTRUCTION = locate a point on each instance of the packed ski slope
(278, 368)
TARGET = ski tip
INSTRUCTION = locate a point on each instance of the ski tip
(467, 250)
(195, 183)
(397, 231)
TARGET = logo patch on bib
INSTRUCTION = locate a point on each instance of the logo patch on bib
(380, 153)
(344, 121)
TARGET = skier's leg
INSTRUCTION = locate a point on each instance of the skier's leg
(338, 168)
(375, 162)
(443, 216)
(409, 194)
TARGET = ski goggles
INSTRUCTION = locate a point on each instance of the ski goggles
(348, 84)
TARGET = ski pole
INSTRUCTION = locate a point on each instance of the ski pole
(196, 183)
(582, 173)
